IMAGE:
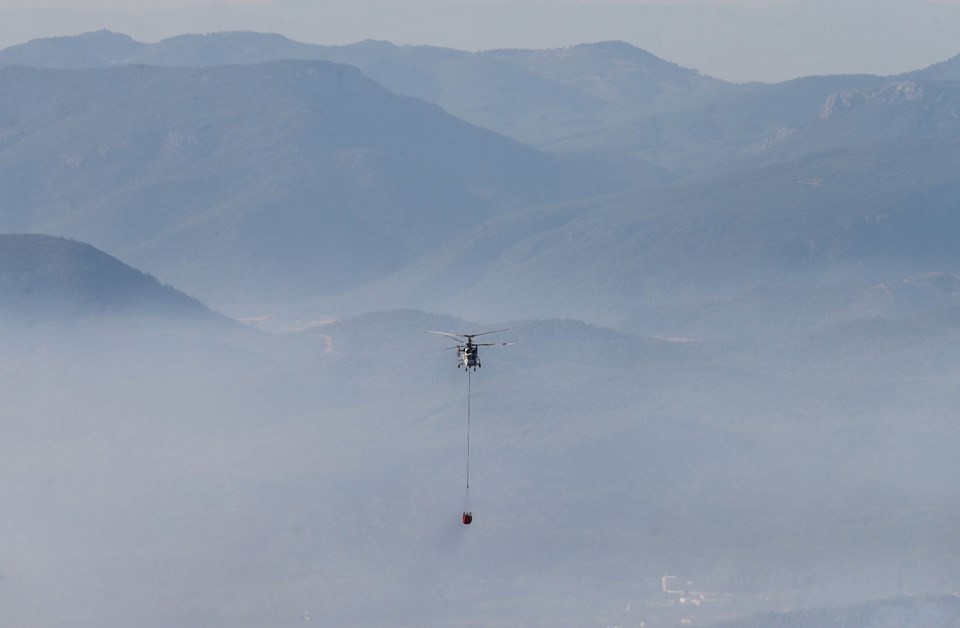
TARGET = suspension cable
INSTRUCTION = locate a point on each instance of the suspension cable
(468, 430)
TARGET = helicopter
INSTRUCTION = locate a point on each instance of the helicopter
(467, 349)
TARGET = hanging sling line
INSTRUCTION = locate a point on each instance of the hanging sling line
(468, 430)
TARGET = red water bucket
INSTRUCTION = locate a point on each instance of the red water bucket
(467, 518)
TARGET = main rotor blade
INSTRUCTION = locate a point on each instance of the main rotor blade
(495, 331)
(459, 337)
(493, 344)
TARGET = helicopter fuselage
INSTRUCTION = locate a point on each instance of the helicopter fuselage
(469, 356)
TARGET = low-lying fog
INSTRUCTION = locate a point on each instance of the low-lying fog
(198, 474)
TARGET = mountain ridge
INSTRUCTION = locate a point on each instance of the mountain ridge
(45, 277)
(536, 96)
(819, 180)
(198, 173)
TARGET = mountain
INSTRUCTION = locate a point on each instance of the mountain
(612, 72)
(259, 178)
(733, 41)
(905, 111)
(89, 50)
(812, 190)
(643, 117)
(948, 70)
(604, 72)
(734, 128)
(859, 217)
(541, 97)
(646, 119)
(43, 277)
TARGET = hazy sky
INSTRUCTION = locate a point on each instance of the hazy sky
(738, 40)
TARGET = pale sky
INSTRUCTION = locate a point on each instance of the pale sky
(738, 40)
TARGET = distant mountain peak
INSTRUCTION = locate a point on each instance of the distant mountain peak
(375, 44)
(626, 50)
(250, 36)
(95, 48)
(617, 45)
(101, 35)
